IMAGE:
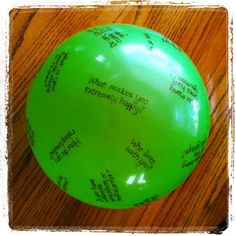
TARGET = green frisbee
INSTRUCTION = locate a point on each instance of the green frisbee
(118, 116)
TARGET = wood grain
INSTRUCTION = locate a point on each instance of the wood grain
(200, 203)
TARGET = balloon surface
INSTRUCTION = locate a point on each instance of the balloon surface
(118, 116)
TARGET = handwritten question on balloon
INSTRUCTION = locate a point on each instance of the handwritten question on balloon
(115, 94)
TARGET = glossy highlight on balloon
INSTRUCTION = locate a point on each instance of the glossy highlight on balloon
(118, 116)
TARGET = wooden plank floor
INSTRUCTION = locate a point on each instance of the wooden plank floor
(201, 203)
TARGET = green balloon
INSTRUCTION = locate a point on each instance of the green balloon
(118, 116)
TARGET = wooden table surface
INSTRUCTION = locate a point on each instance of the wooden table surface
(200, 203)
